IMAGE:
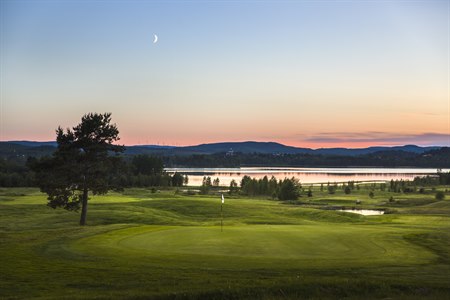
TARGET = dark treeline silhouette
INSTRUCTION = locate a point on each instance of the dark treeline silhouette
(439, 158)
(14, 174)
(439, 178)
(136, 171)
(147, 171)
(286, 189)
(144, 170)
(418, 184)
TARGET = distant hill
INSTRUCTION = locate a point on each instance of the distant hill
(369, 150)
(245, 147)
(256, 154)
(276, 148)
(32, 148)
(155, 146)
(33, 143)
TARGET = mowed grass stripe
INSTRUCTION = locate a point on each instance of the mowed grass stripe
(287, 246)
(143, 245)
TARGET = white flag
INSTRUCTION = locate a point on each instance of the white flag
(223, 199)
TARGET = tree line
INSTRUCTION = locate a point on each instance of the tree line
(439, 158)
(137, 171)
(286, 189)
(292, 189)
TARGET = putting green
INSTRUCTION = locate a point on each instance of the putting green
(259, 246)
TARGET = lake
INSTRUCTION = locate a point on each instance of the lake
(305, 175)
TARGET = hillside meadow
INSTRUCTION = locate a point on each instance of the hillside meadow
(167, 244)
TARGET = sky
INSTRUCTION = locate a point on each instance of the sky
(302, 73)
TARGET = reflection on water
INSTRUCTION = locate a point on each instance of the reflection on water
(365, 212)
(305, 175)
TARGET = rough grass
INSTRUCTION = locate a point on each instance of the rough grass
(141, 245)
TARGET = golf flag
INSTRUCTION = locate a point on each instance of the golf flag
(221, 213)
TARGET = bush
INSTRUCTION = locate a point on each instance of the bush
(440, 195)
(347, 190)
(331, 189)
(288, 190)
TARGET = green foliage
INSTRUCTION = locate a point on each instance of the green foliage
(439, 158)
(13, 174)
(347, 190)
(148, 171)
(177, 179)
(206, 185)
(233, 187)
(331, 189)
(264, 186)
(147, 165)
(440, 195)
(444, 177)
(351, 185)
(81, 163)
(289, 189)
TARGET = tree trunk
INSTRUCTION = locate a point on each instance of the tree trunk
(84, 204)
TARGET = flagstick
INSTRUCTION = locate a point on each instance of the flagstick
(221, 217)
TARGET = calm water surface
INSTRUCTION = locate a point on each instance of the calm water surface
(305, 175)
(364, 212)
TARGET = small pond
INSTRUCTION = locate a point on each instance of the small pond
(365, 212)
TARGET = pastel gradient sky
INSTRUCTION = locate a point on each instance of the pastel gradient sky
(303, 73)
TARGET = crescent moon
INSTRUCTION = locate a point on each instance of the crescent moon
(155, 38)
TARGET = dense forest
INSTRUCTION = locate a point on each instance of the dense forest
(136, 171)
(145, 170)
(439, 158)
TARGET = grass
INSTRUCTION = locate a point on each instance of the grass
(163, 245)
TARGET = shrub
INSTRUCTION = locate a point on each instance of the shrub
(331, 189)
(288, 189)
(440, 195)
(347, 190)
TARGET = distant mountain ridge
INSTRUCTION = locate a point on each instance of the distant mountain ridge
(32, 143)
(223, 147)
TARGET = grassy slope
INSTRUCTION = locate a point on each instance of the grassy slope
(140, 244)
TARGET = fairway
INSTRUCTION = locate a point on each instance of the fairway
(141, 244)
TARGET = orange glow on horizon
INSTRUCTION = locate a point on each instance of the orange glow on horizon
(313, 141)
(298, 144)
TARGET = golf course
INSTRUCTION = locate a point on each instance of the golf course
(166, 244)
